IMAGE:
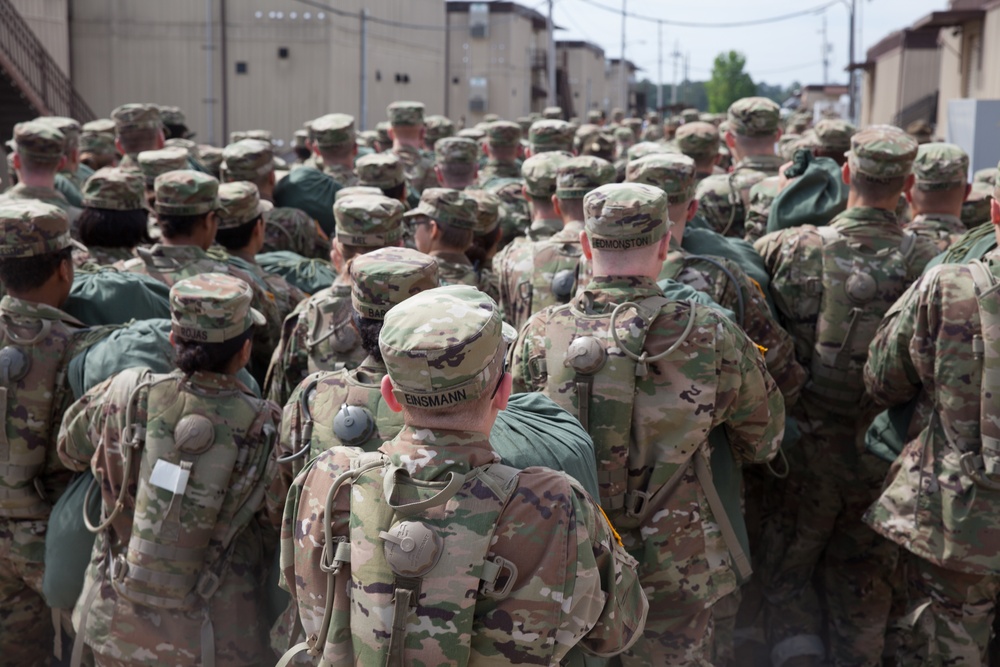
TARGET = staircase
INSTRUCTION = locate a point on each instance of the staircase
(31, 83)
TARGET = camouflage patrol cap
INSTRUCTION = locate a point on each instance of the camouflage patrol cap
(260, 135)
(622, 216)
(172, 116)
(354, 190)
(212, 308)
(617, 114)
(550, 135)
(237, 135)
(488, 209)
(69, 127)
(473, 133)
(186, 192)
(644, 148)
(525, 123)
(367, 138)
(29, 227)
(299, 138)
(539, 173)
(97, 143)
(444, 347)
(673, 173)
(368, 221)
(882, 151)
(491, 117)
(386, 277)
(446, 206)
(624, 135)
(787, 145)
(239, 203)
(380, 170)
(595, 116)
(114, 190)
(382, 130)
(987, 175)
(754, 117)
(808, 140)
(503, 133)
(405, 113)
(99, 126)
(940, 166)
(332, 130)
(438, 127)
(211, 157)
(834, 134)
(634, 124)
(698, 139)
(576, 176)
(154, 163)
(39, 141)
(976, 207)
(690, 115)
(456, 150)
(248, 160)
(185, 144)
(552, 113)
(136, 117)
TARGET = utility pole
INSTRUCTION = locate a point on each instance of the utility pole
(551, 64)
(622, 75)
(851, 80)
(676, 56)
(687, 76)
(209, 70)
(659, 73)
(826, 54)
(364, 69)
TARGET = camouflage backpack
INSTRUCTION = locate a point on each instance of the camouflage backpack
(983, 467)
(855, 291)
(201, 465)
(552, 280)
(435, 549)
(332, 335)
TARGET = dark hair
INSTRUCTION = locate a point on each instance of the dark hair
(113, 229)
(21, 274)
(453, 237)
(138, 139)
(540, 201)
(369, 329)
(457, 171)
(870, 187)
(172, 131)
(302, 153)
(396, 191)
(173, 226)
(338, 152)
(836, 156)
(481, 246)
(235, 238)
(192, 357)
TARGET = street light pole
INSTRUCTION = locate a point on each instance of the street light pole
(551, 64)
(659, 74)
(851, 80)
(621, 75)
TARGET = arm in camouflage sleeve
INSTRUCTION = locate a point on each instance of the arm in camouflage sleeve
(749, 403)
(75, 446)
(530, 343)
(285, 371)
(890, 375)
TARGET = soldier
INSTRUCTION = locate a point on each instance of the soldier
(937, 193)
(292, 230)
(700, 142)
(921, 131)
(834, 138)
(97, 150)
(385, 172)
(383, 142)
(137, 128)
(38, 156)
(539, 175)
(114, 218)
(534, 275)
(832, 285)
(762, 195)
(548, 136)
(250, 160)
(185, 207)
(624, 139)
(152, 164)
(309, 188)
(319, 334)
(39, 340)
(406, 129)
(938, 346)
(655, 479)
(455, 161)
(976, 207)
(443, 226)
(211, 157)
(751, 136)
(71, 177)
(174, 579)
(175, 123)
(618, 116)
(654, 129)
(300, 146)
(552, 113)
(503, 142)
(334, 141)
(241, 232)
(438, 127)
(591, 595)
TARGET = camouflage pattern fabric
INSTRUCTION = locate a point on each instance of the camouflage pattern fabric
(940, 166)
(447, 207)
(698, 140)
(50, 196)
(332, 130)
(754, 117)
(941, 229)
(293, 230)
(723, 199)
(114, 190)
(39, 141)
(380, 170)
(154, 163)
(405, 113)
(186, 192)
(418, 167)
(834, 134)
(762, 195)
(882, 151)
(248, 160)
(345, 176)
(550, 135)
(136, 116)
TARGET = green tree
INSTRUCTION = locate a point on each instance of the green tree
(729, 82)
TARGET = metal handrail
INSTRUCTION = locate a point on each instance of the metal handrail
(34, 71)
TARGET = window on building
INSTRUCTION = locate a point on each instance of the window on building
(478, 93)
(241, 67)
(479, 20)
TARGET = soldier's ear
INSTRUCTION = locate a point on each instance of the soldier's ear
(588, 252)
(692, 210)
(995, 212)
(388, 396)
(845, 173)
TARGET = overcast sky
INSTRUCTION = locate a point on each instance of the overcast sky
(777, 53)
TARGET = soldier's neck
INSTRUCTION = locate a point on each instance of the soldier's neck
(48, 294)
(856, 200)
(37, 179)
(185, 241)
(245, 253)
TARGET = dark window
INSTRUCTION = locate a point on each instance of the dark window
(282, 52)
(241, 67)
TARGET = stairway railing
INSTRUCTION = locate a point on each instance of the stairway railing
(34, 72)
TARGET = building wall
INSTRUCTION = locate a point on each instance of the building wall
(613, 88)
(882, 90)
(949, 74)
(585, 72)
(155, 51)
(921, 72)
(49, 19)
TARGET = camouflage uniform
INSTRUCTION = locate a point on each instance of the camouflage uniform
(27, 229)
(335, 130)
(193, 154)
(383, 171)
(932, 505)
(310, 189)
(976, 207)
(293, 230)
(505, 134)
(685, 565)
(550, 135)
(418, 164)
(939, 166)
(487, 220)
(457, 151)
(831, 483)
(187, 192)
(459, 211)
(318, 334)
(539, 175)
(155, 163)
(247, 160)
(45, 143)
(724, 198)
(211, 157)
(834, 135)
(68, 180)
(574, 583)
(180, 617)
(438, 127)
(762, 195)
(98, 148)
(129, 117)
(699, 141)
(112, 190)
(534, 275)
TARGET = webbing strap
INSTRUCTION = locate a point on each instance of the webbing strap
(163, 551)
(207, 640)
(145, 575)
(704, 474)
(76, 659)
(291, 653)
(402, 600)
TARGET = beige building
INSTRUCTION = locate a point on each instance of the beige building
(900, 82)
(614, 88)
(582, 77)
(244, 64)
(496, 61)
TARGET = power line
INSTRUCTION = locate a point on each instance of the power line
(697, 24)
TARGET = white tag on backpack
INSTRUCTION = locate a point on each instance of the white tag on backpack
(169, 476)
